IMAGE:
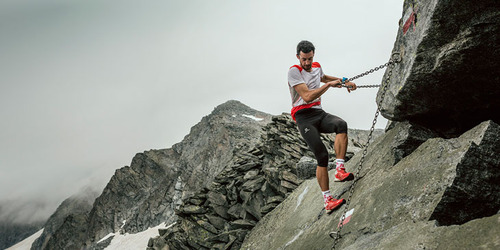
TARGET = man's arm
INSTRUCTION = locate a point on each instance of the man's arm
(327, 78)
(309, 95)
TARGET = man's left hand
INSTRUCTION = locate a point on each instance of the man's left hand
(350, 86)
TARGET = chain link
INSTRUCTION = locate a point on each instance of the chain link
(390, 65)
(364, 74)
(363, 86)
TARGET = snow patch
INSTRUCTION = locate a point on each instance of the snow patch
(134, 241)
(301, 197)
(106, 237)
(26, 243)
(253, 117)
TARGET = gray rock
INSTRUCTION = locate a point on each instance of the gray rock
(254, 204)
(288, 185)
(422, 189)
(191, 209)
(448, 80)
(407, 138)
(207, 226)
(237, 211)
(306, 168)
(237, 224)
(482, 233)
(275, 199)
(221, 211)
(217, 198)
(475, 191)
(251, 174)
(253, 185)
(290, 177)
(268, 208)
(217, 221)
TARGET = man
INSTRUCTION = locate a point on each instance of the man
(304, 81)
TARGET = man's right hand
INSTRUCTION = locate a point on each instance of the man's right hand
(335, 84)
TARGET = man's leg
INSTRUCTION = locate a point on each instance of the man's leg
(334, 124)
(340, 145)
(323, 180)
(312, 137)
(340, 150)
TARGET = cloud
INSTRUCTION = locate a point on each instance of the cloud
(84, 85)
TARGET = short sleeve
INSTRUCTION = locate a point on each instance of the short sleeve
(294, 77)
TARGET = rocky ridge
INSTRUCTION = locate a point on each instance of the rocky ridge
(146, 193)
(220, 216)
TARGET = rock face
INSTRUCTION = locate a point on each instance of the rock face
(441, 183)
(477, 234)
(448, 78)
(136, 196)
(219, 216)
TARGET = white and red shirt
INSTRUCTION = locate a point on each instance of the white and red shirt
(297, 75)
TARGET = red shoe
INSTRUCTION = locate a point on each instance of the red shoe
(341, 175)
(332, 204)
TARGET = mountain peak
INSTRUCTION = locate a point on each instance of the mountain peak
(232, 106)
(233, 109)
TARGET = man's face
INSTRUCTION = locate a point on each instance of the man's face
(306, 60)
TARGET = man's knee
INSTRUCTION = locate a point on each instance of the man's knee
(322, 158)
(341, 127)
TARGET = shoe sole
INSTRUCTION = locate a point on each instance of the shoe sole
(348, 178)
(335, 208)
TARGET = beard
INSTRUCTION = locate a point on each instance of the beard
(306, 67)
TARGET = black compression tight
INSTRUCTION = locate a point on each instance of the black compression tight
(311, 122)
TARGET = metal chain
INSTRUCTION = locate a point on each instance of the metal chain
(364, 74)
(364, 86)
(390, 65)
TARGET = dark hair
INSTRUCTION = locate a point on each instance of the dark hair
(305, 46)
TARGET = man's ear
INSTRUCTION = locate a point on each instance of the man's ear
(298, 56)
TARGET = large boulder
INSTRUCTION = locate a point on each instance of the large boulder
(477, 234)
(441, 183)
(448, 79)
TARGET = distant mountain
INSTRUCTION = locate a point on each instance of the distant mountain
(70, 215)
(146, 193)
(12, 233)
(20, 219)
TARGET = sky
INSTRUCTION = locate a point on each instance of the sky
(85, 85)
